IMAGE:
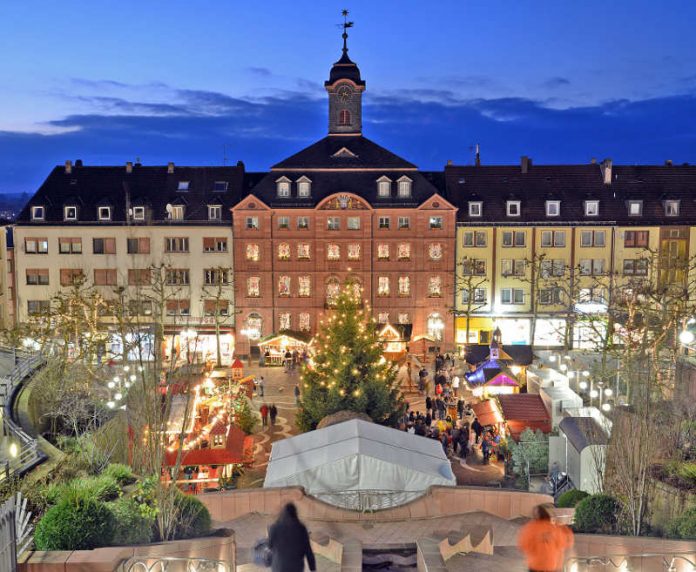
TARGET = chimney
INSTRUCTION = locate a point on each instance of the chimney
(593, 161)
(449, 162)
(78, 162)
(129, 167)
(606, 171)
(170, 168)
(240, 165)
(477, 160)
(668, 163)
(68, 167)
(525, 163)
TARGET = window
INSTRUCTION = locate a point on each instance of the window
(435, 286)
(636, 238)
(220, 186)
(104, 245)
(403, 251)
(333, 252)
(333, 289)
(71, 276)
(553, 238)
(384, 188)
(591, 208)
(671, 208)
(69, 213)
(403, 318)
(553, 208)
(214, 212)
(382, 252)
(139, 277)
(138, 213)
(178, 307)
(589, 238)
(512, 296)
(70, 245)
(36, 245)
(404, 188)
(435, 251)
(284, 286)
(216, 307)
(637, 267)
(283, 188)
(333, 223)
(344, 117)
(551, 296)
(283, 251)
(592, 296)
(302, 222)
(404, 222)
(214, 244)
(303, 251)
(552, 268)
(284, 222)
(383, 318)
(513, 208)
(253, 287)
(216, 276)
(105, 276)
(304, 286)
(436, 326)
(513, 267)
(252, 223)
(254, 324)
(472, 267)
(479, 296)
(218, 441)
(435, 222)
(38, 307)
(303, 322)
(354, 252)
(284, 321)
(474, 238)
(252, 252)
(383, 286)
(177, 276)
(183, 186)
(177, 212)
(404, 286)
(353, 223)
(592, 267)
(475, 209)
(104, 213)
(37, 276)
(174, 244)
(384, 222)
(304, 187)
(514, 239)
(635, 208)
(38, 213)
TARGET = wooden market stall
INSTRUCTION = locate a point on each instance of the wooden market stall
(394, 339)
(273, 348)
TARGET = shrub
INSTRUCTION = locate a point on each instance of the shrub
(75, 524)
(122, 474)
(684, 526)
(596, 513)
(193, 517)
(571, 498)
(103, 488)
(133, 525)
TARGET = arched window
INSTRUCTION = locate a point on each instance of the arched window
(333, 289)
(435, 326)
(254, 326)
(344, 117)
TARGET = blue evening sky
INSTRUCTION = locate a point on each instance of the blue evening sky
(560, 80)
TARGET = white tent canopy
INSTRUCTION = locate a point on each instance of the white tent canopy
(360, 465)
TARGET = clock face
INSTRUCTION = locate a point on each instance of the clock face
(344, 93)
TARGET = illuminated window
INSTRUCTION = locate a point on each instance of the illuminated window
(304, 288)
(353, 252)
(283, 187)
(252, 252)
(283, 251)
(253, 287)
(383, 317)
(304, 324)
(383, 286)
(404, 286)
(435, 251)
(403, 251)
(383, 252)
(333, 252)
(304, 187)
(303, 251)
(591, 208)
(436, 326)
(333, 289)
(404, 318)
(435, 286)
(284, 321)
(404, 187)
(284, 286)
(512, 296)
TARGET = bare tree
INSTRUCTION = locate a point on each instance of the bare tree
(217, 303)
(470, 281)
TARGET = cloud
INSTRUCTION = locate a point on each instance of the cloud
(259, 71)
(556, 82)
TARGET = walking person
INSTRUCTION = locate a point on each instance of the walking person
(297, 394)
(543, 542)
(428, 404)
(261, 387)
(455, 385)
(273, 413)
(264, 415)
(288, 540)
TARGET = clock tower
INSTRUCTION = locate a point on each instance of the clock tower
(345, 89)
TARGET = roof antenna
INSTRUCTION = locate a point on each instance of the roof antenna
(224, 154)
(346, 24)
(478, 155)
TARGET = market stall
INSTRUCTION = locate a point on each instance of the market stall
(274, 347)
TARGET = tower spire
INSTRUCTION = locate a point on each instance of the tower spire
(346, 24)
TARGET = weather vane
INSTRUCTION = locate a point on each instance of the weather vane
(346, 24)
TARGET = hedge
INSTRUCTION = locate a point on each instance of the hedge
(596, 513)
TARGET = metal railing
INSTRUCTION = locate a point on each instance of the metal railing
(669, 562)
(173, 564)
(367, 500)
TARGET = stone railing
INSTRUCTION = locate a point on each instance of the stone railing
(634, 562)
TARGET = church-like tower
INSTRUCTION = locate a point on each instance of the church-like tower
(345, 88)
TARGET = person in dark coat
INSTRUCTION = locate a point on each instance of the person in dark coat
(428, 404)
(273, 413)
(288, 540)
(460, 408)
(478, 428)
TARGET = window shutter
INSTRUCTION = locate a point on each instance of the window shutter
(109, 246)
(144, 245)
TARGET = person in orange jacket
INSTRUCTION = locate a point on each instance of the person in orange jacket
(543, 542)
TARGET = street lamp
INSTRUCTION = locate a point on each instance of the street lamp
(686, 337)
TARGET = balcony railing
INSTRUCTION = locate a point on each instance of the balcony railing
(647, 562)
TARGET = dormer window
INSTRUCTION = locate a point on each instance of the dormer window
(214, 212)
(513, 208)
(384, 187)
(405, 187)
(635, 208)
(304, 187)
(70, 213)
(38, 213)
(220, 186)
(475, 208)
(104, 213)
(283, 188)
(672, 208)
(176, 212)
(138, 213)
(591, 208)
(553, 208)
(183, 186)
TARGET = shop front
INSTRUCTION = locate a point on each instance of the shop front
(198, 345)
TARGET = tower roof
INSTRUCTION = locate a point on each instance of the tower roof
(345, 68)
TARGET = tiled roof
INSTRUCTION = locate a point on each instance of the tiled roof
(236, 451)
(523, 407)
(572, 185)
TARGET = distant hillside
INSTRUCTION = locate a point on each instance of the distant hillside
(11, 204)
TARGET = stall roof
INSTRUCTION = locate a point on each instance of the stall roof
(237, 450)
(582, 432)
(274, 339)
(523, 407)
(487, 412)
(520, 355)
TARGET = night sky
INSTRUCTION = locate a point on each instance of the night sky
(562, 81)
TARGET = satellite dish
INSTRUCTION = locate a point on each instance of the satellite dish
(130, 212)
(169, 210)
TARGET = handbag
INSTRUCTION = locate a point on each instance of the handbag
(263, 556)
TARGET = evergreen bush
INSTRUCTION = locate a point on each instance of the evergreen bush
(596, 514)
(193, 518)
(75, 523)
(133, 524)
(684, 526)
(122, 474)
(571, 498)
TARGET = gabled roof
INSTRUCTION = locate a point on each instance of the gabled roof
(582, 432)
(519, 354)
(237, 450)
(523, 407)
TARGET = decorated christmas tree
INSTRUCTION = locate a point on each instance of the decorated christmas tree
(347, 370)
